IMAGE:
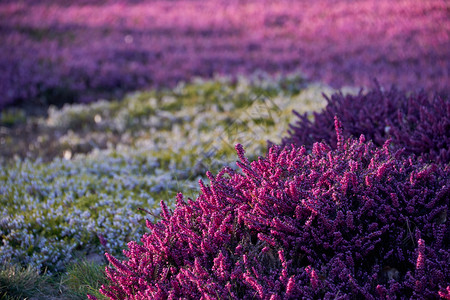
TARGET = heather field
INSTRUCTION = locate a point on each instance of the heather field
(59, 51)
(110, 109)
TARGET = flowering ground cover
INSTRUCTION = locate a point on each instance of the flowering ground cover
(92, 166)
(61, 51)
(73, 180)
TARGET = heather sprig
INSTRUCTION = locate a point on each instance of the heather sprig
(356, 221)
(415, 122)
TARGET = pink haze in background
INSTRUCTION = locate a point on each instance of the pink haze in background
(82, 50)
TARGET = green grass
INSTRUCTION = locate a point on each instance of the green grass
(82, 278)
(17, 282)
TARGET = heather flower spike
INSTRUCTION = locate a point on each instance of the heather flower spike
(241, 154)
(353, 221)
(338, 129)
(102, 240)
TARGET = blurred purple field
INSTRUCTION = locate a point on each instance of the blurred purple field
(81, 50)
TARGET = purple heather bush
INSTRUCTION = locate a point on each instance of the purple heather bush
(355, 222)
(416, 122)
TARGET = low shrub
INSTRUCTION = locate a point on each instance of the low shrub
(357, 221)
(417, 122)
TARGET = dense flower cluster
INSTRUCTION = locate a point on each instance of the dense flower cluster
(416, 122)
(355, 221)
(52, 213)
(67, 51)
